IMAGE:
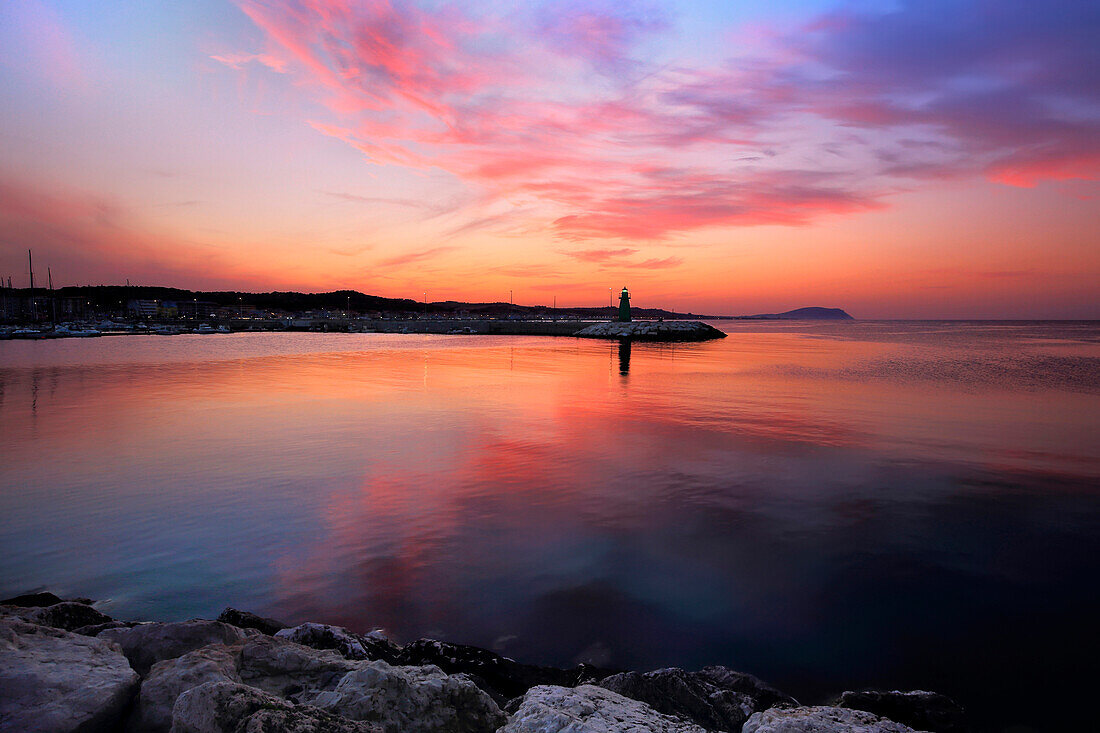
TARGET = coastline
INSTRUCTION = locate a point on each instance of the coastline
(642, 330)
(64, 665)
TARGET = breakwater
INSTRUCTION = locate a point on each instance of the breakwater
(631, 331)
(66, 666)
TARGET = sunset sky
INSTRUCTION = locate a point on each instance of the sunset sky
(897, 159)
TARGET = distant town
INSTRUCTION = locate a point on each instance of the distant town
(83, 309)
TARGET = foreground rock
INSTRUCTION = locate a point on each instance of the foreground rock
(245, 673)
(501, 677)
(70, 615)
(414, 699)
(146, 644)
(652, 331)
(399, 698)
(916, 708)
(247, 620)
(228, 707)
(53, 680)
(715, 698)
(349, 644)
(589, 709)
(169, 679)
(820, 720)
(31, 600)
(67, 615)
(290, 670)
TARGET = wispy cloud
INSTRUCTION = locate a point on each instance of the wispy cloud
(96, 238)
(559, 108)
(600, 255)
(622, 259)
(410, 258)
(240, 60)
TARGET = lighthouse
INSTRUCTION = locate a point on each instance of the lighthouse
(624, 306)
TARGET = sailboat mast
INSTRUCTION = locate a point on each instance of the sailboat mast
(53, 303)
(34, 306)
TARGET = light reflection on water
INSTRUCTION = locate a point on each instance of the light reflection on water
(827, 506)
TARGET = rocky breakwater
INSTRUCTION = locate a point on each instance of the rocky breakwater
(652, 331)
(243, 673)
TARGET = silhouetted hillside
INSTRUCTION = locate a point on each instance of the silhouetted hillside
(813, 313)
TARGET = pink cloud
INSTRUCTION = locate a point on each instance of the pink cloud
(103, 241)
(409, 258)
(600, 255)
(509, 106)
(38, 39)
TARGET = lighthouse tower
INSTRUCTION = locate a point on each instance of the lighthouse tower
(624, 306)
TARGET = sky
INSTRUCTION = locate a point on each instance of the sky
(904, 159)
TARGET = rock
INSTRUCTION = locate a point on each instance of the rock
(501, 677)
(290, 670)
(413, 699)
(589, 709)
(69, 615)
(168, 679)
(246, 620)
(304, 720)
(147, 644)
(95, 629)
(916, 708)
(349, 644)
(820, 720)
(32, 600)
(652, 331)
(272, 665)
(227, 707)
(716, 698)
(53, 680)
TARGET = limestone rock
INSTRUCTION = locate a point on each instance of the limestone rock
(820, 720)
(70, 615)
(67, 615)
(95, 629)
(290, 670)
(501, 677)
(589, 709)
(146, 644)
(32, 600)
(916, 708)
(52, 680)
(168, 679)
(303, 719)
(247, 620)
(227, 707)
(349, 644)
(716, 698)
(412, 699)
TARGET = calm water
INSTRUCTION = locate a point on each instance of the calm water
(827, 506)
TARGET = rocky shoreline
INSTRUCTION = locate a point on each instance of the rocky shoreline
(65, 666)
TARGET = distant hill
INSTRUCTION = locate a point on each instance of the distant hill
(806, 314)
(107, 298)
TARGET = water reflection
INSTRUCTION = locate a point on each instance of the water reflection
(813, 506)
(624, 357)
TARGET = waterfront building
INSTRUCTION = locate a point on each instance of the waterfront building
(142, 308)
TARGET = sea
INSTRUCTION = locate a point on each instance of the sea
(828, 506)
